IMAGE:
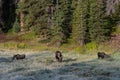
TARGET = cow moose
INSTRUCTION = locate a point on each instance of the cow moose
(18, 56)
(58, 56)
(102, 55)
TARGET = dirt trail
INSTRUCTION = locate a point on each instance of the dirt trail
(2, 37)
(5, 38)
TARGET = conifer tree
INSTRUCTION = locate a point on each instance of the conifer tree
(35, 16)
(8, 14)
(98, 23)
(62, 18)
(79, 22)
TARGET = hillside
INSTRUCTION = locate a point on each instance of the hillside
(78, 28)
(61, 21)
(28, 39)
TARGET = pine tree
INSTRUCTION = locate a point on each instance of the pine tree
(8, 14)
(62, 19)
(35, 16)
(98, 23)
(79, 23)
(16, 26)
(116, 15)
(1, 22)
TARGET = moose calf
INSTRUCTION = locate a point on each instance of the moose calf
(58, 56)
(18, 56)
(102, 55)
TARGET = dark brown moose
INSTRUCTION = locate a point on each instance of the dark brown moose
(102, 55)
(58, 56)
(19, 56)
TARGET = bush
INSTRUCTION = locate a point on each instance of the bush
(91, 46)
(29, 36)
(16, 26)
(21, 45)
(36, 29)
(117, 29)
(81, 50)
(10, 45)
(87, 48)
(44, 41)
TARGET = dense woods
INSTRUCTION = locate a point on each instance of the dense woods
(61, 21)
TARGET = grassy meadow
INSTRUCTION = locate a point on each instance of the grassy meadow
(77, 28)
(79, 63)
(41, 65)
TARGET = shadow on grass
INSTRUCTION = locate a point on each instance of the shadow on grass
(69, 60)
(8, 59)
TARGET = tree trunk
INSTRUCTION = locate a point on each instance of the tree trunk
(110, 9)
(21, 21)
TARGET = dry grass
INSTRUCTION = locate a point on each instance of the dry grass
(43, 66)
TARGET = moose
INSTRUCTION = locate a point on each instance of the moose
(18, 56)
(102, 55)
(58, 56)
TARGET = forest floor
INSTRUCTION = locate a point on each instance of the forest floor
(43, 66)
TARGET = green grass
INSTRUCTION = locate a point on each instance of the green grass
(43, 66)
(117, 30)
(10, 45)
(28, 36)
(30, 41)
(87, 49)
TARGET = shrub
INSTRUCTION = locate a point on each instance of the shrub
(91, 46)
(117, 29)
(36, 29)
(81, 50)
(29, 36)
(86, 48)
(16, 26)
(21, 45)
(10, 45)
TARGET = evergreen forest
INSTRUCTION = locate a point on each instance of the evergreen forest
(61, 21)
